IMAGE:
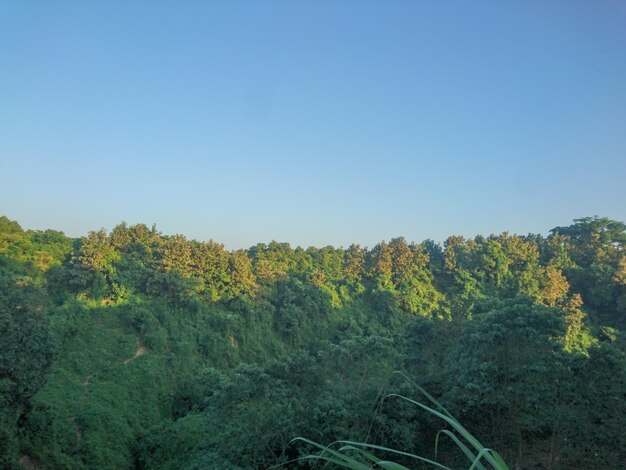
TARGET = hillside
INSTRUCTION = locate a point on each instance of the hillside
(134, 349)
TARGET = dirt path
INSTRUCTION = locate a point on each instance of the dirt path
(27, 463)
(140, 351)
(78, 433)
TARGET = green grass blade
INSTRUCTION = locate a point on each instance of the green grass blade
(391, 465)
(454, 423)
(468, 453)
(481, 454)
(399, 452)
(425, 393)
(338, 455)
(364, 453)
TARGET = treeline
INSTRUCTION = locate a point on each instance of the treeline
(131, 348)
(585, 259)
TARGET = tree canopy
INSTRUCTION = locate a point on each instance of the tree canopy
(133, 349)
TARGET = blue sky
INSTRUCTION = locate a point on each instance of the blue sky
(312, 122)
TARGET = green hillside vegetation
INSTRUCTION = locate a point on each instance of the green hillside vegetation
(134, 349)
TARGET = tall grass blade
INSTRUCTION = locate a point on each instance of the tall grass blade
(340, 457)
(468, 453)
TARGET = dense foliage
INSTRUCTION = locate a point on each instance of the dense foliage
(133, 349)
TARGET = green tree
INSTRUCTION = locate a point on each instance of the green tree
(504, 375)
(26, 352)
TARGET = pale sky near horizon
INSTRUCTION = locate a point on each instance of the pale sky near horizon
(309, 122)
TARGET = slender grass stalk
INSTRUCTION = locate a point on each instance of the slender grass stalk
(360, 456)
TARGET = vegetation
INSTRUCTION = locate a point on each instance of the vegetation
(134, 349)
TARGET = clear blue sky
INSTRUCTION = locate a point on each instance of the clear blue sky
(312, 122)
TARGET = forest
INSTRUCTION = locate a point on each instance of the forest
(132, 349)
